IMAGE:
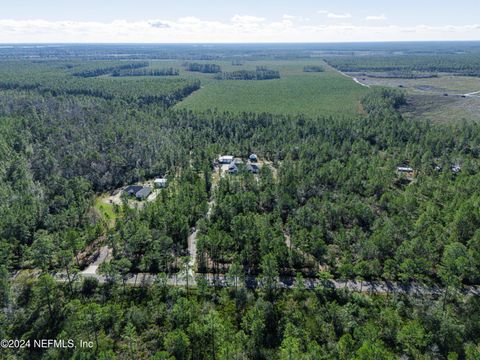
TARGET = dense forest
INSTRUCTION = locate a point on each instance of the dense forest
(327, 204)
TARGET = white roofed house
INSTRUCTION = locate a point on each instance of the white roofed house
(456, 168)
(225, 159)
(160, 183)
(406, 171)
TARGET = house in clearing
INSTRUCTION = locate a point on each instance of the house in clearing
(404, 169)
(456, 168)
(225, 159)
(140, 192)
(233, 169)
(160, 183)
(253, 168)
(407, 171)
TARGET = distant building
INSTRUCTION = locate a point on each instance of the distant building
(408, 172)
(132, 189)
(160, 183)
(233, 169)
(253, 168)
(253, 158)
(140, 192)
(225, 159)
(456, 168)
(404, 169)
(143, 194)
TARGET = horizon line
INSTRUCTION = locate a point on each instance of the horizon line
(241, 43)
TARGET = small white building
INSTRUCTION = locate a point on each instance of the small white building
(456, 168)
(407, 172)
(225, 159)
(160, 183)
(253, 158)
(404, 169)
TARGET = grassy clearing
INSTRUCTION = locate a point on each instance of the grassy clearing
(441, 109)
(106, 210)
(297, 92)
(427, 101)
(442, 84)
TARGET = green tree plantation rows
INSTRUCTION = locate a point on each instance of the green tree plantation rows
(55, 79)
(203, 68)
(261, 73)
(458, 64)
(147, 72)
(109, 70)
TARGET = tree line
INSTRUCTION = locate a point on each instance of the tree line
(146, 72)
(261, 73)
(203, 68)
(110, 70)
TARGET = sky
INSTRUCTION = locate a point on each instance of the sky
(242, 21)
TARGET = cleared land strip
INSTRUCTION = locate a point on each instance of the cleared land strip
(286, 282)
(474, 94)
(351, 77)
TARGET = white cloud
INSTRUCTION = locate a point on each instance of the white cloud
(376, 17)
(247, 19)
(333, 15)
(339, 16)
(238, 29)
(297, 18)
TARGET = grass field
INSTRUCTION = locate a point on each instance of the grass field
(105, 210)
(296, 92)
